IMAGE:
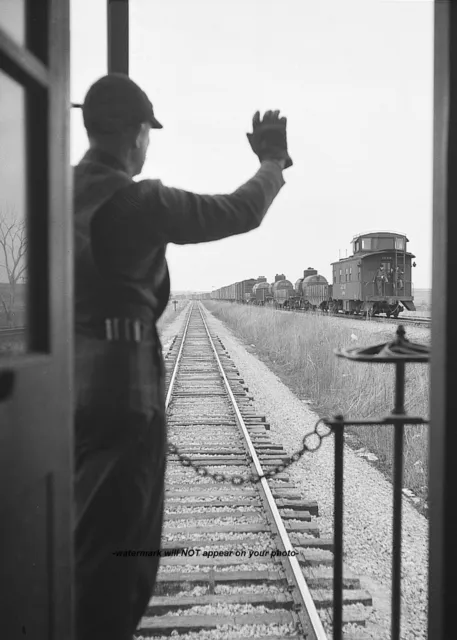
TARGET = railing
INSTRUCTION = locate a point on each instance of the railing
(399, 352)
(388, 289)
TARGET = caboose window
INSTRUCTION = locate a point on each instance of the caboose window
(366, 244)
(383, 243)
(400, 244)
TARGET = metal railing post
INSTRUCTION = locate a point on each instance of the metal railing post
(399, 427)
(398, 352)
(338, 531)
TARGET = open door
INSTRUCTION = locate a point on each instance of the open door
(36, 457)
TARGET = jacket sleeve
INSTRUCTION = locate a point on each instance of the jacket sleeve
(182, 217)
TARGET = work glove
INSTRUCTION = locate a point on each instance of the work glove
(268, 139)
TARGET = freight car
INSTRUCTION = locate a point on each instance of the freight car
(243, 290)
(237, 292)
(261, 292)
(311, 291)
(282, 292)
(376, 278)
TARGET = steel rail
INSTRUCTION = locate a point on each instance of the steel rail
(317, 629)
(420, 321)
(178, 358)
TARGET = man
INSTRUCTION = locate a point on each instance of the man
(380, 278)
(122, 286)
(399, 277)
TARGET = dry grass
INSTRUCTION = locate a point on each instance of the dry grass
(299, 348)
(170, 314)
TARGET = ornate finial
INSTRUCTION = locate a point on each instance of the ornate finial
(399, 349)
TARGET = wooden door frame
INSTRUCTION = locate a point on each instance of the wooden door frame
(41, 66)
(443, 433)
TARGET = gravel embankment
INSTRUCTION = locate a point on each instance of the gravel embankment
(368, 496)
(170, 330)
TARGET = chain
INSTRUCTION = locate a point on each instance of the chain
(311, 443)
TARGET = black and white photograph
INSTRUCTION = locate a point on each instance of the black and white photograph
(227, 337)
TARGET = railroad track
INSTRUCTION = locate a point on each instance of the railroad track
(419, 321)
(237, 561)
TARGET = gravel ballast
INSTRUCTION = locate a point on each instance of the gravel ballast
(368, 498)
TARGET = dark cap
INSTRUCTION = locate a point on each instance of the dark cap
(114, 103)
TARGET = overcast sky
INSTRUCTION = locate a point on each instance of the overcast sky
(355, 80)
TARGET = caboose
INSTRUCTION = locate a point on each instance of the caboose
(376, 278)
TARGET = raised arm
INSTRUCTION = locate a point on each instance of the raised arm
(147, 214)
(185, 218)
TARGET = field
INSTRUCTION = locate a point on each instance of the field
(299, 349)
(19, 307)
(170, 314)
(423, 303)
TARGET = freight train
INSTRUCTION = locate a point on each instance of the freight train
(375, 279)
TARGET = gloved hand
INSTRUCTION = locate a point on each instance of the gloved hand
(268, 139)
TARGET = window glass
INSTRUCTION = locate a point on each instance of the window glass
(383, 243)
(400, 244)
(366, 244)
(12, 19)
(13, 217)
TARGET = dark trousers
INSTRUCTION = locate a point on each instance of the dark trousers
(119, 490)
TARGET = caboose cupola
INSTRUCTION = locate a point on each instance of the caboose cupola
(379, 241)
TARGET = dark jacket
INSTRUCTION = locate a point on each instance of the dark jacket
(122, 229)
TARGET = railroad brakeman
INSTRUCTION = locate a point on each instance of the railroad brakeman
(122, 286)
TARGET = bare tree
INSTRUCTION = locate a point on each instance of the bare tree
(13, 248)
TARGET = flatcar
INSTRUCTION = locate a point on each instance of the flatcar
(376, 278)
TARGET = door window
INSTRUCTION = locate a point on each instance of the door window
(13, 218)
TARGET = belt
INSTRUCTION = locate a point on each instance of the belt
(124, 330)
